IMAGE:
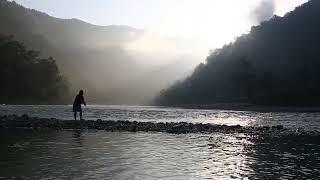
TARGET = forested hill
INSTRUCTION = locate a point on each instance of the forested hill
(276, 63)
(27, 78)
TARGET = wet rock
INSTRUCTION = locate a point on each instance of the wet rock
(25, 117)
(277, 127)
(266, 128)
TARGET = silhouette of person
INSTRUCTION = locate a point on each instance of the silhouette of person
(77, 104)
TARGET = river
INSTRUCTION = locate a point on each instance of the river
(90, 154)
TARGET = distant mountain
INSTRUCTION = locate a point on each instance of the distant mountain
(94, 58)
(277, 63)
(61, 33)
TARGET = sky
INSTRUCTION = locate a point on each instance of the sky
(211, 22)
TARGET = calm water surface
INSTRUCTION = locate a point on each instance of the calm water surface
(83, 154)
(77, 154)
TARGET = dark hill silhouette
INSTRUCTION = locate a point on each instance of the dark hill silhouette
(276, 63)
(27, 78)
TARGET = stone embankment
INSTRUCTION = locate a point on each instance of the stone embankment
(24, 121)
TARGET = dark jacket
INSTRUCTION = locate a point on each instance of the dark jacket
(79, 100)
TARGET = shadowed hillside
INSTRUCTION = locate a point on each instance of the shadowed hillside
(27, 78)
(276, 63)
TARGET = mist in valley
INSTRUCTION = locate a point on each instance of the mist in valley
(114, 64)
(120, 64)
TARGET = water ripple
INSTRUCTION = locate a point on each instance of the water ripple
(83, 154)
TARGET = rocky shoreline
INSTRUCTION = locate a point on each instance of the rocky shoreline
(24, 121)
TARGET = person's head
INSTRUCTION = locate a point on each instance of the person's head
(81, 92)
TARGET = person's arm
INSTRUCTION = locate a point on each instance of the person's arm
(83, 102)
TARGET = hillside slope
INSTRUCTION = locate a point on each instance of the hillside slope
(276, 63)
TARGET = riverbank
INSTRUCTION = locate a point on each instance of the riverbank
(24, 121)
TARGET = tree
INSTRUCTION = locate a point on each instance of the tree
(26, 78)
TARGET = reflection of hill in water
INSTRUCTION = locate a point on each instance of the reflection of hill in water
(288, 157)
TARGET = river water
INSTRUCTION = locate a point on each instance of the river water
(89, 154)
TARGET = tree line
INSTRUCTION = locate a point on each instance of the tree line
(27, 78)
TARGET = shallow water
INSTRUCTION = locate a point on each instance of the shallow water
(83, 154)
(292, 120)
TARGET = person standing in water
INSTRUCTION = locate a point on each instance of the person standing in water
(77, 104)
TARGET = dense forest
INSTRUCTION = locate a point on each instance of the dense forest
(27, 78)
(97, 59)
(276, 63)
